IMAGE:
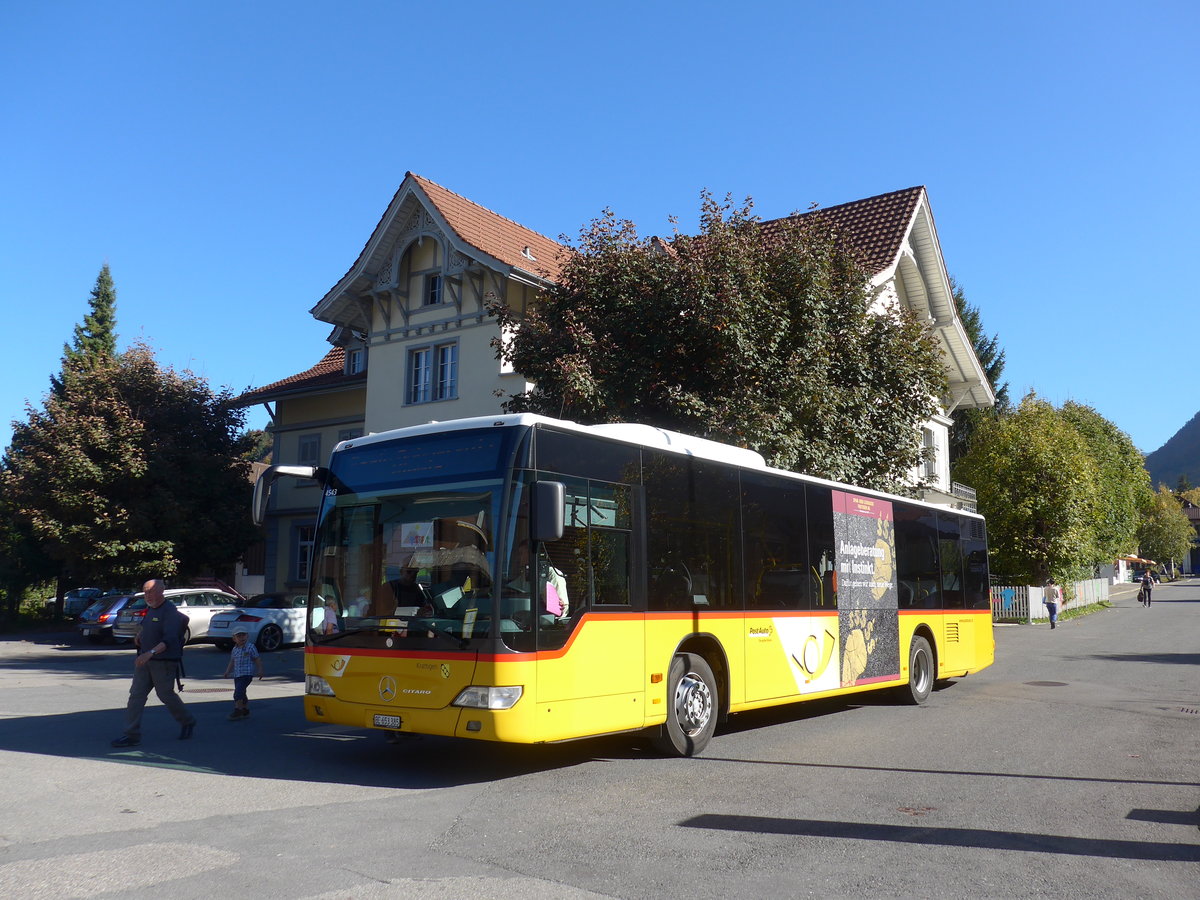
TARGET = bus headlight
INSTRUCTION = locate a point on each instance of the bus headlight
(315, 684)
(489, 697)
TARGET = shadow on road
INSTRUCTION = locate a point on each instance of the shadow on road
(1050, 844)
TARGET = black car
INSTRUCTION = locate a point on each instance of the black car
(96, 622)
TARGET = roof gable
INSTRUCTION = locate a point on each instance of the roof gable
(498, 237)
(876, 227)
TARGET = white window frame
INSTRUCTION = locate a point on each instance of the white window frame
(306, 441)
(306, 536)
(929, 461)
(434, 285)
(432, 373)
(356, 360)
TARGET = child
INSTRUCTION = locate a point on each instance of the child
(243, 659)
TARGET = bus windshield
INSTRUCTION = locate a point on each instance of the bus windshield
(405, 551)
(406, 564)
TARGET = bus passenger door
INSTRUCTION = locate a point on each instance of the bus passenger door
(590, 659)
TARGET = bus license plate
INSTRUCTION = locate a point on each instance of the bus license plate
(387, 722)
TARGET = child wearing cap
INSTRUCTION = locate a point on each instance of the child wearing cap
(243, 660)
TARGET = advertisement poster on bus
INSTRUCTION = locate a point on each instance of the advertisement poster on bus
(868, 618)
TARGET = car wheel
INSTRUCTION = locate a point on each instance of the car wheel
(270, 638)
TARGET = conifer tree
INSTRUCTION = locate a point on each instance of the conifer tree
(95, 337)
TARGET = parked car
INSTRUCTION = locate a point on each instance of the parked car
(77, 600)
(96, 622)
(269, 620)
(198, 604)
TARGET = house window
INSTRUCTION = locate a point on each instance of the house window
(356, 360)
(929, 442)
(310, 450)
(304, 551)
(433, 373)
(433, 290)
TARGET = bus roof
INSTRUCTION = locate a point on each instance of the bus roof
(628, 433)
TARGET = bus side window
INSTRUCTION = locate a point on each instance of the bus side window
(776, 544)
(916, 557)
(822, 557)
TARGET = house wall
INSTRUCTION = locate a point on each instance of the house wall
(402, 324)
(327, 418)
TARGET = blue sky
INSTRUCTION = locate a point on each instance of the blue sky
(229, 160)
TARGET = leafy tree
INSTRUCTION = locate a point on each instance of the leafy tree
(1035, 482)
(95, 338)
(260, 444)
(756, 335)
(991, 358)
(1122, 487)
(1183, 486)
(131, 471)
(1166, 534)
(22, 561)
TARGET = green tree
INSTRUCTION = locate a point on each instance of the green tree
(755, 335)
(991, 358)
(1166, 534)
(1122, 487)
(260, 444)
(131, 471)
(1035, 481)
(95, 338)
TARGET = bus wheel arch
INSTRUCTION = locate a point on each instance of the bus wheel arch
(693, 706)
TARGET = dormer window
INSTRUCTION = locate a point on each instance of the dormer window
(356, 360)
(433, 290)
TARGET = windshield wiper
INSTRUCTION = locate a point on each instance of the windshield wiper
(430, 627)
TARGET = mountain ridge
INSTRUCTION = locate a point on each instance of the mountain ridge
(1178, 456)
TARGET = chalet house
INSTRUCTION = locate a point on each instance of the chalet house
(411, 336)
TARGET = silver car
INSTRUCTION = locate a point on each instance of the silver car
(198, 604)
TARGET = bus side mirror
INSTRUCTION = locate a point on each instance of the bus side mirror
(262, 487)
(547, 507)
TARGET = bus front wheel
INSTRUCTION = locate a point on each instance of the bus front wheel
(920, 672)
(691, 707)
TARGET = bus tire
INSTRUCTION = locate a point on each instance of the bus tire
(691, 707)
(920, 672)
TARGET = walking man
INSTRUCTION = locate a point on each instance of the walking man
(1147, 584)
(160, 649)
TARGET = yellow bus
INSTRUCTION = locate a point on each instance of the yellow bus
(524, 579)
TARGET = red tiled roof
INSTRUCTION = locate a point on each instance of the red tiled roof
(874, 226)
(490, 232)
(329, 372)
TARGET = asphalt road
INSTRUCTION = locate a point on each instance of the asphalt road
(1067, 769)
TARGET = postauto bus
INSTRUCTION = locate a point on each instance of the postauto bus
(524, 579)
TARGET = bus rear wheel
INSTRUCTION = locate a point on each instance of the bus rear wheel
(920, 672)
(691, 707)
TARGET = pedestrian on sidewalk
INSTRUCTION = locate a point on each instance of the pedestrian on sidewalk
(243, 660)
(1053, 597)
(157, 665)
